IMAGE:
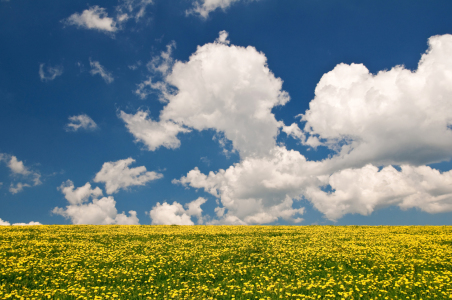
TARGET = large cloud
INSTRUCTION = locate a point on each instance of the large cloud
(366, 189)
(175, 214)
(117, 175)
(223, 87)
(394, 117)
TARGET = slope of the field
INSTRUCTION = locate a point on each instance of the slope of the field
(225, 262)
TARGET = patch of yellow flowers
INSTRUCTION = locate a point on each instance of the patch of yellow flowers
(225, 262)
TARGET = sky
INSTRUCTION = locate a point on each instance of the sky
(240, 112)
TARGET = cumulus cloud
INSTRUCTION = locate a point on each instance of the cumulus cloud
(295, 131)
(79, 195)
(97, 68)
(81, 121)
(49, 73)
(97, 212)
(204, 7)
(5, 223)
(175, 214)
(229, 89)
(17, 166)
(393, 117)
(19, 170)
(153, 134)
(93, 18)
(258, 190)
(117, 175)
(365, 189)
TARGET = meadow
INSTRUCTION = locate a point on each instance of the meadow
(225, 262)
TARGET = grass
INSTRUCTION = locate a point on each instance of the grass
(225, 262)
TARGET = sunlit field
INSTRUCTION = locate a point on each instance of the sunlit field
(225, 262)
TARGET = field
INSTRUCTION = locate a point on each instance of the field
(225, 262)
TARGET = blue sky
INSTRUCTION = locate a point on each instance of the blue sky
(226, 112)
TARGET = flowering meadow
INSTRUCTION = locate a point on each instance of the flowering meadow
(225, 262)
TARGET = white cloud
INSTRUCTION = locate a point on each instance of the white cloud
(175, 214)
(258, 190)
(19, 187)
(132, 9)
(4, 223)
(97, 68)
(27, 224)
(117, 175)
(294, 131)
(18, 168)
(153, 134)
(79, 195)
(93, 18)
(394, 117)
(158, 66)
(194, 208)
(162, 64)
(49, 73)
(135, 65)
(367, 189)
(81, 121)
(229, 89)
(123, 219)
(204, 7)
(98, 212)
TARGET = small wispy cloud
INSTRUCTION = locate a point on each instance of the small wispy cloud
(204, 7)
(132, 9)
(134, 66)
(18, 188)
(97, 68)
(49, 73)
(82, 121)
(159, 66)
(18, 168)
